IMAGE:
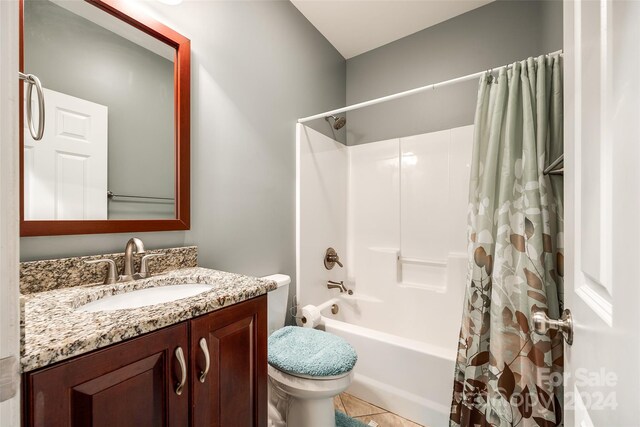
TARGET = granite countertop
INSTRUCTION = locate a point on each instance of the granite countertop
(53, 330)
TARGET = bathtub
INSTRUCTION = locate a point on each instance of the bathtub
(406, 337)
(404, 376)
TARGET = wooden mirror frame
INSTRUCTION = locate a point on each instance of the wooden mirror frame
(182, 87)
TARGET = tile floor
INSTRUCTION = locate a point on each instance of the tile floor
(366, 412)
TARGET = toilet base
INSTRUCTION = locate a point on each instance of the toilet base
(311, 412)
(303, 402)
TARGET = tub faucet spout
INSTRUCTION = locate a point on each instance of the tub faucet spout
(339, 285)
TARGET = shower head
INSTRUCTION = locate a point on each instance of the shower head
(338, 122)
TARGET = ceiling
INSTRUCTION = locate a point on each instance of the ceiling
(357, 26)
(117, 26)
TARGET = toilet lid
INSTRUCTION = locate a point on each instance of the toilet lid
(306, 351)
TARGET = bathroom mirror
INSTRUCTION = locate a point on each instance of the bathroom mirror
(115, 152)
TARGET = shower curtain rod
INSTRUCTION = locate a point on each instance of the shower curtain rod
(405, 93)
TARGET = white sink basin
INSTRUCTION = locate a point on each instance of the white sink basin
(145, 297)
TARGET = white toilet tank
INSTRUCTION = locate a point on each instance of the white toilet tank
(277, 302)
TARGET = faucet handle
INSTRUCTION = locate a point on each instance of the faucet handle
(144, 265)
(112, 275)
(331, 258)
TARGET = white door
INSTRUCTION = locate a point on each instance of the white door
(9, 218)
(602, 183)
(65, 173)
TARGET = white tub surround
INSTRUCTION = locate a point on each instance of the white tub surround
(399, 208)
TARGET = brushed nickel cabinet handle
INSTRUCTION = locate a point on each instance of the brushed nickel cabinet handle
(207, 360)
(183, 368)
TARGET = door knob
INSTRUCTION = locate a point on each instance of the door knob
(542, 324)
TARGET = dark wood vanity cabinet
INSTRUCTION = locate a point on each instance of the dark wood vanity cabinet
(134, 383)
(128, 384)
(234, 391)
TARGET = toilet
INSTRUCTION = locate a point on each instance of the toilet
(307, 367)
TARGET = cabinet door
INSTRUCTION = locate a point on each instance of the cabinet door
(234, 391)
(128, 384)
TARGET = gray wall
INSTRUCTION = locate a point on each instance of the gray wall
(259, 65)
(496, 34)
(77, 57)
(256, 68)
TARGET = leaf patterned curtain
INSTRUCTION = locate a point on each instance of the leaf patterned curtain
(506, 374)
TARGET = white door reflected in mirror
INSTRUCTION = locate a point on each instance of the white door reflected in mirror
(65, 173)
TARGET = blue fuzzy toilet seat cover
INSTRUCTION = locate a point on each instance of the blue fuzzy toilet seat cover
(310, 352)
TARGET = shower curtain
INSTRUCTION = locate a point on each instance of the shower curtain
(506, 374)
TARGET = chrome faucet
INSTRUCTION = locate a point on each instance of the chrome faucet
(134, 246)
(339, 285)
